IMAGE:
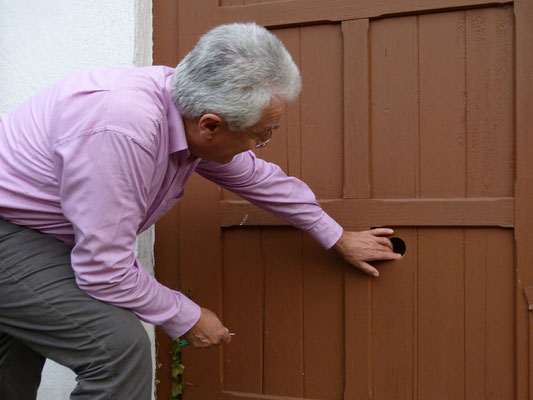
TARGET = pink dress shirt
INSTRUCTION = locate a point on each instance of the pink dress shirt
(99, 157)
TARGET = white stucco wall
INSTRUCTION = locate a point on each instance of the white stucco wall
(42, 41)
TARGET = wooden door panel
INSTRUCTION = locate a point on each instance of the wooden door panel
(489, 291)
(489, 102)
(298, 338)
(441, 318)
(323, 322)
(321, 109)
(243, 284)
(394, 111)
(433, 319)
(392, 320)
(440, 312)
(284, 368)
(442, 105)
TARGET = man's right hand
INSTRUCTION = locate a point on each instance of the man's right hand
(207, 332)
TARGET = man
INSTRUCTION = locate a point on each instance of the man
(97, 158)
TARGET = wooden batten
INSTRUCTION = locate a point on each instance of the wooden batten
(391, 212)
(285, 13)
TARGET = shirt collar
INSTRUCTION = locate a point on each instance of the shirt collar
(177, 141)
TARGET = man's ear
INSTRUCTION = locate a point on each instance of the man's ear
(209, 125)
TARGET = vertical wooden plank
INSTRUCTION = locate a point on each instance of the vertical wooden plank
(500, 333)
(321, 110)
(393, 323)
(243, 310)
(475, 313)
(356, 109)
(489, 330)
(194, 19)
(292, 39)
(323, 296)
(489, 86)
(441, 314)
(394, 112)
(166, 33)
(358, 333)
(394, 174)
(442, 105)
(283, 349)
(523, 188)
(202, 276)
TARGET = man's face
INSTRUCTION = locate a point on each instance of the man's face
(213, 141)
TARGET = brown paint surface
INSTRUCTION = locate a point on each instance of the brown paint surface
(407, 121)
(284, 312)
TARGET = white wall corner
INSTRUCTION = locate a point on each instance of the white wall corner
(142, 56)
(143, 33)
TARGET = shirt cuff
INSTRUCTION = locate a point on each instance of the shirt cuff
(326, 232)
(184, 320)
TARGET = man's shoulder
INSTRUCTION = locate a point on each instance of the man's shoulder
(115, 78)
(137, 105)
(137, 97)
(129, 100)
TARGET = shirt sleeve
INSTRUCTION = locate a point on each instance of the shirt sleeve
(104, 179)
(267, 186)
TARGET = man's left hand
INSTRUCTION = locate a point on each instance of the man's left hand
(359, 247)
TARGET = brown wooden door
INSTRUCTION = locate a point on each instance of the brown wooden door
(414, 115)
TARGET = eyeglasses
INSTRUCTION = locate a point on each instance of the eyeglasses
(261, 140)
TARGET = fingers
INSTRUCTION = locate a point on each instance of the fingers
(381, 231)
(208, 331)
(359, 248)
(379, 256)
(384, 242)
(369, 269)
(213, 340)
(226, 337)
(384, 256)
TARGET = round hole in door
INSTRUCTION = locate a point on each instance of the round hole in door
(398, 245)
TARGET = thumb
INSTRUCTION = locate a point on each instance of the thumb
(226, 337)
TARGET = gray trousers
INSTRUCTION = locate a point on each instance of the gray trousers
(43, 314)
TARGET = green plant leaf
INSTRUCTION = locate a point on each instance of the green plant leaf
(176, 390)
(176, 369)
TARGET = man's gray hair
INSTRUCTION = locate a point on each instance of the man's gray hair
(234, 72)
